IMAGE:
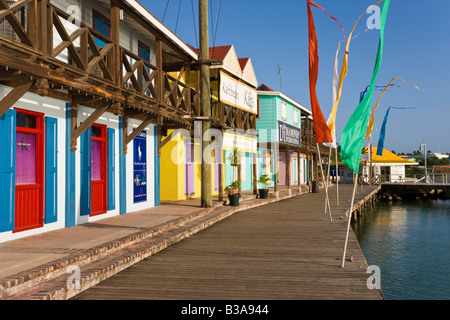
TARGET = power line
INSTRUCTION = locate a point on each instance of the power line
(195, 26)
(167, 5)
(178, 16)
(217, 22)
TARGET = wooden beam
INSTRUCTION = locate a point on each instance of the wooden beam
(139, 129)
(14, 96)
(73, 124)
(90, 120)
(58, 78)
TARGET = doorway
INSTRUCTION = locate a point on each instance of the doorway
(98, 170)
(29, 190)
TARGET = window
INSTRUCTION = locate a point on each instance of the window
(144, 51)
(283, 110)
(295, 117)
(102, 25)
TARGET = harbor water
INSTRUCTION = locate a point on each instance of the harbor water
(410, 243)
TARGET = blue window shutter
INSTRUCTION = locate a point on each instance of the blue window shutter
(85, 197)
(7, 169)
(51, 166)
(111, 169)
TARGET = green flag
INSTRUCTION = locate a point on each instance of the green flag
(352, 139)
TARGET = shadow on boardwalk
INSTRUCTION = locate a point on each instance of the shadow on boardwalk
(286, 250)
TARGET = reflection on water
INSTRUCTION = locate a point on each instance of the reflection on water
(410, 242)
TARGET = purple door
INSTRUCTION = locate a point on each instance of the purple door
(282, 169)
(189, 167)
(217, 160)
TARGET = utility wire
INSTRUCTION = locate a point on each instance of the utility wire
(178, 16)
(167, 5)
(195, 26)
(217, 22)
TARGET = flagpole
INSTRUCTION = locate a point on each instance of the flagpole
(323, 179)
(328, 174)
(355, 176)
(337, 179)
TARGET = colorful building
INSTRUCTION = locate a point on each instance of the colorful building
(234, 110)
(86, 95)
(285, 139)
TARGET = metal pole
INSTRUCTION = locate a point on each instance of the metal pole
(337, 178)
(205, 105)
(355, 176)
(426, 172)
(326, 187)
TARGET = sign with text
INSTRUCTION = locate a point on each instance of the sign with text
(140, 167)
(288, 134)
(236, 94)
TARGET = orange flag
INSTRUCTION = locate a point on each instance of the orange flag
(322, 131)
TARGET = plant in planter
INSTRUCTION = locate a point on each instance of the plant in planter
(233, 192)
(264, 181)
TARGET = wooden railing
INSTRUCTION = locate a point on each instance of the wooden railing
(74, 48)
(231, 117)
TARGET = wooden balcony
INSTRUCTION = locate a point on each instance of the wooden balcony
(48, 53)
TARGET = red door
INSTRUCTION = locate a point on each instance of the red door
(98, 170)
(29, 204)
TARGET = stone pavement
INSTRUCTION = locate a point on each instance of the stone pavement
(38, 267)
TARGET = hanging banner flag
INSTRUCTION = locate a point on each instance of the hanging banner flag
(321, 129)
(370, 127)
(352, 139)
(344, 71)
(331, 121)
(335, 82)
(383, 131)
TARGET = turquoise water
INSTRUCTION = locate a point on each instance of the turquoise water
(410, 242)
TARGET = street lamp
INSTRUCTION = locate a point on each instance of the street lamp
(423, 147)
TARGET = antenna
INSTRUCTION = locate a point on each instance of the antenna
(281, 80)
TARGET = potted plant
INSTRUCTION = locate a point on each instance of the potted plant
(233, 192)
(264, 181)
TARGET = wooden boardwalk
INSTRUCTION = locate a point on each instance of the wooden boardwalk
(288, 250)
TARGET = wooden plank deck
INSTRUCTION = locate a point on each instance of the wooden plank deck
(288, 250)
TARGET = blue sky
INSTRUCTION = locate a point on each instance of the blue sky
(275, 33)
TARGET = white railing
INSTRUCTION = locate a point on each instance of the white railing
(438, 178)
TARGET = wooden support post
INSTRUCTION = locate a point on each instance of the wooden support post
(43, 44)
(73, 123)
(88, 122)
(159, 123)
(288, 168)
(139, 129)
(298, 168)
(255, 177)
(188, 87)
(33, 21)
(159, 82)
(14, 96)
(125, 132)
(115, 59)
(205, 105)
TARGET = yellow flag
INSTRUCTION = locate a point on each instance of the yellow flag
(370, 127)
(344, 72)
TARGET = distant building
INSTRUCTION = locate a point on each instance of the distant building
(388, 167)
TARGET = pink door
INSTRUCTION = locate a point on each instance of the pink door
(282, 169)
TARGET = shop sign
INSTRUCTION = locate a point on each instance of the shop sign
(140, 167)
(236, 94)
(288, 134)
